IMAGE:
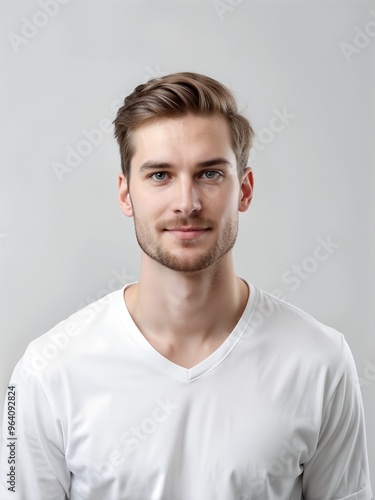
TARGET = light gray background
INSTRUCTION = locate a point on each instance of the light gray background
(62, 242)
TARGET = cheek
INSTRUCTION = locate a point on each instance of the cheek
(227, 207)
(147, 210)
(220, 199)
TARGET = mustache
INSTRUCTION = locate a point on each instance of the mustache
(182, 222)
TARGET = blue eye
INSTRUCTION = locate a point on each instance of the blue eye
(158, 176)
(211, 174)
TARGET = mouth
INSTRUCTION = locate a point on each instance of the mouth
(188, 233)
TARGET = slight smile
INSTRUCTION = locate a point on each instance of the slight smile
(187, 233)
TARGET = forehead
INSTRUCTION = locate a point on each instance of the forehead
(187, 135)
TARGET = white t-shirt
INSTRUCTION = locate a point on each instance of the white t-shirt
(274, 413)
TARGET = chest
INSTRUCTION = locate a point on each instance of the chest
(220, 442)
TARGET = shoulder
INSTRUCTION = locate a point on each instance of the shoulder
(275, 311)
(297, 338)
(77, 335)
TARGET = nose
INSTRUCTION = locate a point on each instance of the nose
(186, 199)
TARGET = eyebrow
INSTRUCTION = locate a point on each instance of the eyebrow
(154, 165)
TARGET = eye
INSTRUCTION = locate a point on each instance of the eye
(159, 176)
(211, 174)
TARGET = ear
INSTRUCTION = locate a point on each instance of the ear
(124, 196)
(246, 191)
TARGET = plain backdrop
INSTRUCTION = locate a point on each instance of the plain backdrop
(63, 239)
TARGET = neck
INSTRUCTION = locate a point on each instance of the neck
(182, 307)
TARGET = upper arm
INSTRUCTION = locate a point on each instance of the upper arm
(339, 467)
(41, 470)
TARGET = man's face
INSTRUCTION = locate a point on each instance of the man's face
(184, 191)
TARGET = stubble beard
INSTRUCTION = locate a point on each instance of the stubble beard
(218, 249)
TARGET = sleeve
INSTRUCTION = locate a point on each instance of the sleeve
(40, 467)
(339, 467)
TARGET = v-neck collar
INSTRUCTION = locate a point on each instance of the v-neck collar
(171, 368)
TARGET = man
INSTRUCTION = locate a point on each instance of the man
(190, 384)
